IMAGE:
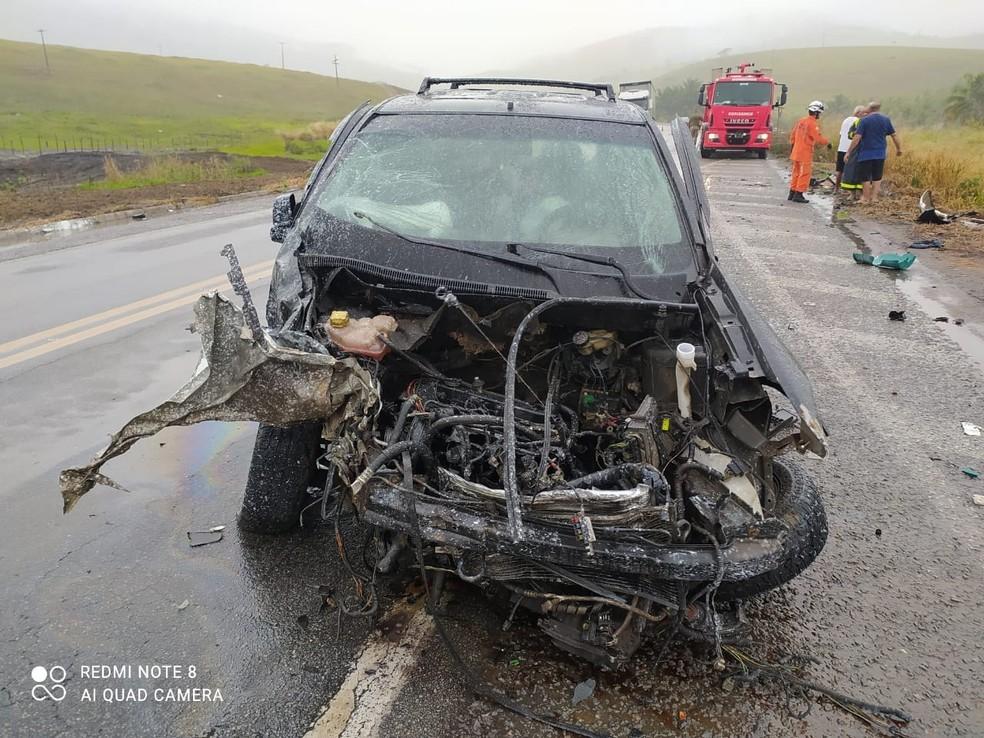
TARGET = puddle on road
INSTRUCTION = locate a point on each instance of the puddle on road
(943, 300)
(921, 285)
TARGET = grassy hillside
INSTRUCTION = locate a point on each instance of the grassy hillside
(858, 73)
(237, 108)
(647, 52)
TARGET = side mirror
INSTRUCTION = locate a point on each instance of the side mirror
(702, 96)
(782, 96)
(284, 208)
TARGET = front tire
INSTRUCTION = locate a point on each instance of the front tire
(705, 153)
(798, 504)
(282, 466)
(763, 153)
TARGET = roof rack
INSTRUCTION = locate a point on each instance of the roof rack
(598, 88)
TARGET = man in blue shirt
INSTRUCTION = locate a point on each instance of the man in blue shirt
(870, 146)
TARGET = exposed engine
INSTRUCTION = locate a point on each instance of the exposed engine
(571, 460)
(607, 463)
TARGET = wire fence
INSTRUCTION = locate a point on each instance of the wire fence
(42, 144)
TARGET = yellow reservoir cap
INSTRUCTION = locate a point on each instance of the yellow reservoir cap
(338, 318)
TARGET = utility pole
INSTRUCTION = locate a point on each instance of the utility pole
(283, 64)
(335, 62)
(44, 48)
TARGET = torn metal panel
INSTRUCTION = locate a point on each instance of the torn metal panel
(279, 380)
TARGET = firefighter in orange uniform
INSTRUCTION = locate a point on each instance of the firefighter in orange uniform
(804, 136)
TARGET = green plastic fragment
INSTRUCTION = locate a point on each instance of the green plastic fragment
(972, 473)
(891, 260)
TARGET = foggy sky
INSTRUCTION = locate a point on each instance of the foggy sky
(436, 36)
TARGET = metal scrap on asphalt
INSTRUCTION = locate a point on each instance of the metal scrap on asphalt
(583, 691)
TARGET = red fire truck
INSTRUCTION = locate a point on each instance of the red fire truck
(738, 110)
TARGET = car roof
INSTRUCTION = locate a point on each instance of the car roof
(481, 99)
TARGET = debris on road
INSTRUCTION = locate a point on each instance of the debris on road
(979, 500)
(897, 315)
(583, 691)
(971, 429)
(184, 604)
(277, 380)
(890, 260)
(941, 319)
(927, 243)
(753, 670)
(971, 472)
(326, 593)
(204, 537)
(928, 212)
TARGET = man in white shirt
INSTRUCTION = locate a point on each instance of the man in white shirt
(846, 134)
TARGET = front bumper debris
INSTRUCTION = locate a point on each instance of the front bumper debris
(279, 380)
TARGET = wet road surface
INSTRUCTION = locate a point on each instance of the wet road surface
(891, 610)
(106, 584)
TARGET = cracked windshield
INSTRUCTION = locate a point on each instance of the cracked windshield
(592, 187)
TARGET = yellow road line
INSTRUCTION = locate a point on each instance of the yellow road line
(195, 287)
(179, 297)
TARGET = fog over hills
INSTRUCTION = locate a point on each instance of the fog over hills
(647, 52)
(399, 42)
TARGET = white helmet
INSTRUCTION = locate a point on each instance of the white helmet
(816, 107)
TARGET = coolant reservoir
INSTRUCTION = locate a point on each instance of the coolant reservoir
(362, 336)
(685, 354)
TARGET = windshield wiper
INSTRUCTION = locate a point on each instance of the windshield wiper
(601, 260)
(502, 258)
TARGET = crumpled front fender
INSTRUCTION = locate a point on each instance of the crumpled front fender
(279, 379)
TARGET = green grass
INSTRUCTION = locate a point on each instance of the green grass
(159, 103)
(166, 170)
(859, 74)
(949, 161)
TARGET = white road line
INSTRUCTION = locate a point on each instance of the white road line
(360, 705)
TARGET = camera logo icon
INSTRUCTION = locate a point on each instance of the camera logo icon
(41, 691)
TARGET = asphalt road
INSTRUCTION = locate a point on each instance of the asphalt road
(93, 333)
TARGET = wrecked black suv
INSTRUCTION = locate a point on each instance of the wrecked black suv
(498, 331)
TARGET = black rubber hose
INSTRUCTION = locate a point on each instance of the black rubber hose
(553, 386)
(644, 472)
(510, 482)
(401, 420)
(396, 449)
